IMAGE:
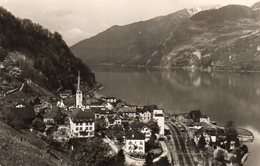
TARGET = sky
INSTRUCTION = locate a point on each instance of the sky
(80, 19)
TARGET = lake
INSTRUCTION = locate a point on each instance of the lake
(223, 96)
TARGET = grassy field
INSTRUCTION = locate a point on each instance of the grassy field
(23, 148)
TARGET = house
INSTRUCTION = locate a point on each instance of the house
(98, 104)
(195, 115)
(147, 132)
(128, 112)
(145, 115)
(111, 100)
(213, 136)
(50, 115)
(82, 123)
(135, 143)
(113, 120)
(102, 113)
(205, 119)
(61, 104)
(158, 116)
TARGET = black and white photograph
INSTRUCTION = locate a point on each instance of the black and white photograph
(129, 83)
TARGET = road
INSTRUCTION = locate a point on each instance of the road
(178, 143)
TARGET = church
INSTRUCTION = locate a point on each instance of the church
(82, 120)
(79, 95)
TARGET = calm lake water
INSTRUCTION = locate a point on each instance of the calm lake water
(223, 96)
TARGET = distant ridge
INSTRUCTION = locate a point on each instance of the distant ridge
(224, 38)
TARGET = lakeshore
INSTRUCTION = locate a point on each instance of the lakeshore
(178, 91)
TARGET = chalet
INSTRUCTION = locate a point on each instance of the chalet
(158, 116)
(147, 132)
(82, 123)
(135, 143)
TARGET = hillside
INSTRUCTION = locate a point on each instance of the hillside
(220, 38)
(130, 44)
(29, 51)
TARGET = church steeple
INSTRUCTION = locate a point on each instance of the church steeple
(78, 87)
(79, 95)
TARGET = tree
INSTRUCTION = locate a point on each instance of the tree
(62, 134)
(220, 158)
(38, 125)
(88, 152)
(60, 117)
(120, 158)
(202, 142)
(136, 125)
(231, 134)
(100, 125)
(148, 160)
(163, 162)
(154, 126)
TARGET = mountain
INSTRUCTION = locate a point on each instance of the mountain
(30, 52)
(196, 10)
(130, 44)
(218, 38)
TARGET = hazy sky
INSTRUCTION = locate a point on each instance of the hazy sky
(80, 19)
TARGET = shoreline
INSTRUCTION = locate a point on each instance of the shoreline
(171, 68)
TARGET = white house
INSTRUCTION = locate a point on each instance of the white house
(135, 143)
(145, 115)
(82, 123)
(147, 132)
(159, 117)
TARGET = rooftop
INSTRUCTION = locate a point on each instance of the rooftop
(51, 113)
(82, 115)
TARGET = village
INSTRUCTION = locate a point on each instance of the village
(141, 134)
